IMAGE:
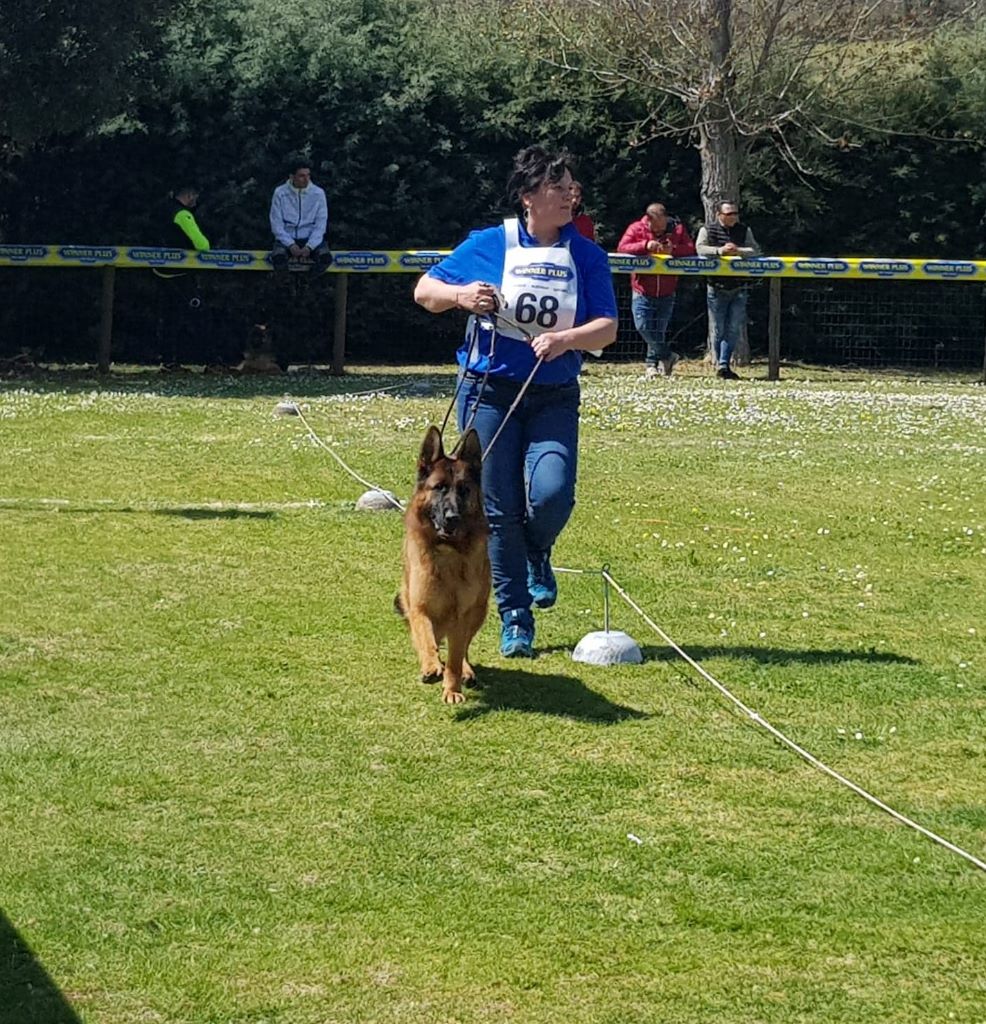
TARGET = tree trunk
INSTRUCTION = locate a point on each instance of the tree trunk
(720, 180)
(717, 142)
(720, 164)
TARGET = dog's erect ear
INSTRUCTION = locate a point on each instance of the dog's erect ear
(431, 451)
(471, 451)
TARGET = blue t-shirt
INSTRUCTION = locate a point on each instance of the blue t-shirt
(480, 258)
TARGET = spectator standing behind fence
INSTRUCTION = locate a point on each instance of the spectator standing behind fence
(298, 218)
(726, 236)
(580, 219)
(653, 294)
(181, 331)
(558, 284)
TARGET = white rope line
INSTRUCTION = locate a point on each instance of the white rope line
(777, 734)
(366, 483)
(372, 391)
(296, 409)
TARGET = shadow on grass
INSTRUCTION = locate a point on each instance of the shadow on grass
(779, 656)
(28, 995)
(215, 513)
(512, 690)
(190, 512)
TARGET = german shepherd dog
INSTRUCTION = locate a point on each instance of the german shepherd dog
(446, 585)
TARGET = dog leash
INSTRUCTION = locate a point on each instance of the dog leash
(513, 405)
(473, 348)
(490, 320)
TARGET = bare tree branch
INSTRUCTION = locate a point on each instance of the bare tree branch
(746, 73)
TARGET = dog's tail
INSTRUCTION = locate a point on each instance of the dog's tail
(399, 606)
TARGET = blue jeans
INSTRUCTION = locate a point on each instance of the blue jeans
(651, 316)
(727, 311)
(528, 477)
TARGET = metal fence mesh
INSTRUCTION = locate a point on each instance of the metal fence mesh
(52, 315)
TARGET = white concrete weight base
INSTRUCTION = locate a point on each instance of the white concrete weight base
(612, 648)
(377, 501)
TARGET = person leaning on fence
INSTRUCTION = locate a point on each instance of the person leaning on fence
(653, 294)
(298, 219)
(558, 285)
(182, 327)
(726, 236)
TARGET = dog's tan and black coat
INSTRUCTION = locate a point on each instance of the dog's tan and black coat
(446, 586)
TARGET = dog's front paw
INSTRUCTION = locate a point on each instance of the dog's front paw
(432, 673)
(453, 697)
(469, 676)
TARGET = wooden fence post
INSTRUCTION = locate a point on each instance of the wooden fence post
(106, 320)
(774, 331)
(339, 332)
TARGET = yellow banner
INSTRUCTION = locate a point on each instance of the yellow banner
(358, 261)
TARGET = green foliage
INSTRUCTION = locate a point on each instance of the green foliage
(65, 65)
(412, 111)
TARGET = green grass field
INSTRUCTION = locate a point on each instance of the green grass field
(225, 798)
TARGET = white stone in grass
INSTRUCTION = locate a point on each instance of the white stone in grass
(612, 648)
(377, 501)
(285, 409)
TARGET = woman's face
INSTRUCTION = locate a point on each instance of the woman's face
(576, 195)
(551, 204)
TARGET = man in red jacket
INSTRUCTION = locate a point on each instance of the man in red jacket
(653, 294)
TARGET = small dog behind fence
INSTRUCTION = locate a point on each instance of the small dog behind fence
(258, 354)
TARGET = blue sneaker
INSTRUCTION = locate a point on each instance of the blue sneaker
(517, 634)
(541, 582)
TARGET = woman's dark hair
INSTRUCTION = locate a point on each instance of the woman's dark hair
(533, 167)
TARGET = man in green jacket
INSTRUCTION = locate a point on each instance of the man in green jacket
(184, 231)
(182, 332)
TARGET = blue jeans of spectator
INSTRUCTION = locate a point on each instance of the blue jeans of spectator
(651, 316)
(727, 312)
(528, 476)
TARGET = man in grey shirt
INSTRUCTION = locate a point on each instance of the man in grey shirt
(726, 236)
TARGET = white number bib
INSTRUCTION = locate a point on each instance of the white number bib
(539, 286)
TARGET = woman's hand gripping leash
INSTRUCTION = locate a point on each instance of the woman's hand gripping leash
(491, 307)
(478, 297)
